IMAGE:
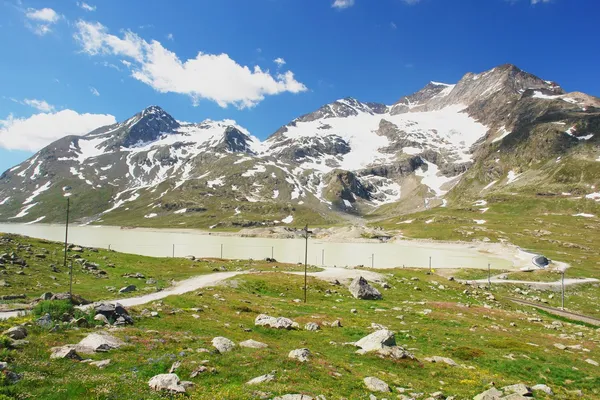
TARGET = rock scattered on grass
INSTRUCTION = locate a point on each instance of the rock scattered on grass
(276, 323)
(16, 332)
(167, 382)
(376, 384)
(100, 364)
(312, 326)
(301, 355)
(67, 352)
(262, 379)
(99, 342)
(360, 289)
(543, 388)
(442, 360)
(253, 344)
(222, 344)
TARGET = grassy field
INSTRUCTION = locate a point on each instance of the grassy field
(40, 276)
(491, 341)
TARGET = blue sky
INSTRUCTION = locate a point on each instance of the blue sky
(68, 66)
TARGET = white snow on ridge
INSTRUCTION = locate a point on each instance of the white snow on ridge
(503, 133)
(433, 179)
(480, 203)
(36, 221)
(288, 220)
(275, 194)
(216, 182)
(347, 203)
(37, 192)
(24, 211)
(257, 169)
(593, 196)
(182, 211)
(3, 202)
(489, 185)
(512, 176)
(151, 215)
(584, 215)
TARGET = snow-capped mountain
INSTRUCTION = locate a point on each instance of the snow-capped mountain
(346, 157)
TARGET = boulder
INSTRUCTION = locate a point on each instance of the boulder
(222, 344)
(490, 394)
(542, 388)
(262, 379)
(99, 342)
(272, 322)
(166, 382)
(128, 289)
(67, 351)
(360, 289)
(16, 332)
(301, 355)
(253, 344)
(311, 326)
(293, 397)
(100, 364)
(376, 385)
(444, 360)
(45, 321)
(101, 318)
(115, 312)
(46, 296)
(377, 340)
(518, 388)
(336, 324)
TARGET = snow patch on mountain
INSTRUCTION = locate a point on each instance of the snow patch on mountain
(37, 192)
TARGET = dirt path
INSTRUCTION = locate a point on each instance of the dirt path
(557, 311)
(537, 285)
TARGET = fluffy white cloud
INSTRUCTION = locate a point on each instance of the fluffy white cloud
(94, 91)
(39, 130)
(279, 61)
(170, 36)
(534, 2)
(215, 77)
(41, 21)
(341, 4)
(411, 2)
(40, 105)
(86, 6)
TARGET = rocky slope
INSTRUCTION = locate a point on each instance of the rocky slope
(503, 129)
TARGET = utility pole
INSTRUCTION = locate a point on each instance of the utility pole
(489, 275)
(372, 260)
(272, 257)
(306, 234)
(322, 257)
(562, 284)
(430, 271)
(71, 281)
(173, 252)
(67, 231)
(221, 251)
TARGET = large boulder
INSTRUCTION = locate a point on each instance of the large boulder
(16, 332)
(376, 384)
(360, 289)
(377, 340)
(167, 382)
(276, 323)
(113, 311)
(67, 351)
(301, 355)
(253, 344)
(490, 394)
(222, 344)
(128, 289)
(45, 321)
(98, 342)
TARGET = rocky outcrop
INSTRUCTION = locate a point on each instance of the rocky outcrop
(360, 289)
(276, 323)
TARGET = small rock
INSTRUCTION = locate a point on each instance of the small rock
(64, 352)
(166, 382)
(253, 344)
(445, 360)
(301, 355)
(377, 340)
(519, 389)
(542, 388)
(16, 332)
(311, 326)
(198, 371)
(272, 322)
(261, 379)
(128, 289)
(101, 364)
(490, 394)
(360, 289)
(223, 344)
(101, 318)
(592, 362)
(45, 321)
(376, 385)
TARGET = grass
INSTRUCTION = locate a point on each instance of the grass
(457, 326)
(39, 277)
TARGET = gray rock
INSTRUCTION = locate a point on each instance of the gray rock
(490, 394)
(444, 360)
(46, 296)
(336, 324)
(102, 318)
(301, 355)
(376, 385)
(293, 397)
(128, 289)
(16, 332)
(253, 344)
(311, 326)
(45, 321)
(360, 289)
(100, 364)
(377, 340)
(67, 351)
(262, 379)
(222, 344)
(98, 342)
(518, 388)
(542, 388)
(592, 362)
(166, 382)
(272, 322)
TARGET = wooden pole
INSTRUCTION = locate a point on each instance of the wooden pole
(305, 260)
(66, 231)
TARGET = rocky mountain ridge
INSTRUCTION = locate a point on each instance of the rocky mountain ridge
(339, 162)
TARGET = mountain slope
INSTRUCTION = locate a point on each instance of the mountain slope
(501, 130)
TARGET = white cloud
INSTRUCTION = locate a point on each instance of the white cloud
(341, 4)
(534, 2)
(40, 105)
(279, 61)
(170, 36)
(411, 2)
(214, 77)
(39, 130)
(393, 26)
(94, 91)
(86, 6)
(41, 21)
